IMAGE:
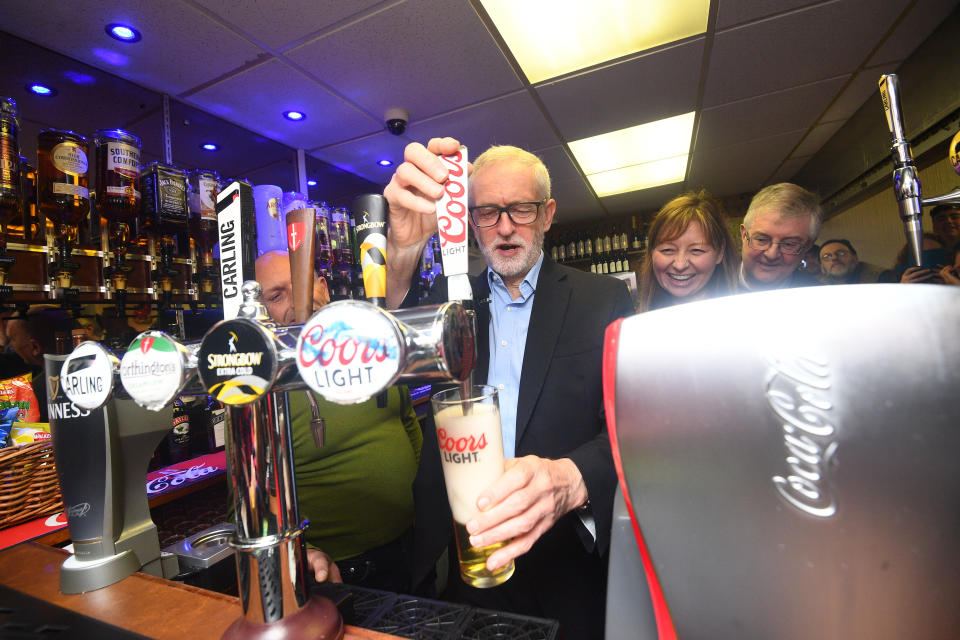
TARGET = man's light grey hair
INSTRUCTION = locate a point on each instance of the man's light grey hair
(789, 201)
(507, 153)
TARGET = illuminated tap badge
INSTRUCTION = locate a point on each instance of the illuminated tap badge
(152, 370)
(237, 361)
(349, 351)
(87, 376)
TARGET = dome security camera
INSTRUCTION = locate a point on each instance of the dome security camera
(396, 121)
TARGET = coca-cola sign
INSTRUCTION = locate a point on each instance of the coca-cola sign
(452, 214)
(349, 352)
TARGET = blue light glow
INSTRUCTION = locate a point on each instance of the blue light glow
(41, 89)
(111, 57)
(385, 163)
(296, 116)
(209, 146)
(122, 32)
(311, 183)
(78, 78)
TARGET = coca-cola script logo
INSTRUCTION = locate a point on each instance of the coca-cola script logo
(175, 477)
(348, 351)
(798, 392)
(452, 209)
(295, 234)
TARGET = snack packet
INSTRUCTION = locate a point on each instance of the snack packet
(17, 392)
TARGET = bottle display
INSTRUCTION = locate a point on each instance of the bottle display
(11, 195)
(178, 438)
(118, 193)
(62, 192)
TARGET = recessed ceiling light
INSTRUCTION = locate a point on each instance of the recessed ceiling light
(311, 183)
(210, 146)
(385, 163)
(122, 32)
(640, 157)
(296, 116)
(583, 34)
(41, 89)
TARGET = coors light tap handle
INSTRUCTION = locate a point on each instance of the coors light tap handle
(300, 243)
(906, 179)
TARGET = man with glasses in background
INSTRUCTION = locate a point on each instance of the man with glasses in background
(540, 337)
(839, 264)
(782, 221)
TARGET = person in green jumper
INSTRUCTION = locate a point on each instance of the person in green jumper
(356, 490)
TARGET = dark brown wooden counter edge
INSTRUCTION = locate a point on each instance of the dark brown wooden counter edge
(142, 603)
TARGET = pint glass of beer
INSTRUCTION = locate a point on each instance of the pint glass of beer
(471, 452)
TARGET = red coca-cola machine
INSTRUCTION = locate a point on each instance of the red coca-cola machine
(788, 466)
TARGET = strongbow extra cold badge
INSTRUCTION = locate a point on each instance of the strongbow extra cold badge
(349, 351)
(152, 369)
(237, 361)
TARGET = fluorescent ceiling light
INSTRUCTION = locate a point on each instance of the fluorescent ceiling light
(649, 155)
(639, 176)
(553, 37)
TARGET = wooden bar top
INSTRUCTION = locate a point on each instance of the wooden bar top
(142, 603)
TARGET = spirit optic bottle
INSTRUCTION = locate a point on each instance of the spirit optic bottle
(62, 192)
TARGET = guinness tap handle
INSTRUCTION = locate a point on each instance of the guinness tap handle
(300, 243)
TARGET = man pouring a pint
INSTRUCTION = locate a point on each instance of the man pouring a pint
(540, 328)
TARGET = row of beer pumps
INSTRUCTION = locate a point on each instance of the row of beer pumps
(348, 351)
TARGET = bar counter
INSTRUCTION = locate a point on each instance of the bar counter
(144, 604)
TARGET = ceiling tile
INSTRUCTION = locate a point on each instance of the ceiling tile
(788, 169)
(513, 119)
(276, 24)
(734, 12)
(389, 60)
(911, 31)
(824, 41)
(643, 201)
(258, 97)
(626, 94)
(740, 167)
(360, 156)
(575, 203)
(861, 88)
(181, 48)
(559, 165)
(766, 115)
(816, 138)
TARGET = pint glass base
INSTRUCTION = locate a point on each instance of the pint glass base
(473, 562)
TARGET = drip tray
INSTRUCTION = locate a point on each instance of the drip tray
(204, 549)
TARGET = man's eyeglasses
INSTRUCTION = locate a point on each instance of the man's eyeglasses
(790, 247)
(842, 253)
(488, 215)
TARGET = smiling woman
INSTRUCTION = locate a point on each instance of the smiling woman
(690, 253)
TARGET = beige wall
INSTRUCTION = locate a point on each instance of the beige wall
(873, 226)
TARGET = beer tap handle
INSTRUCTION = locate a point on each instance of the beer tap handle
(318, 426)
(906, 179)
(300, 243)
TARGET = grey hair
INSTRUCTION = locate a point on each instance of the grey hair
(789, 201)
(507, 153)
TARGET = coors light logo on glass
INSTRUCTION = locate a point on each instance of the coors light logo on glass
(471, 448)
(348, 352)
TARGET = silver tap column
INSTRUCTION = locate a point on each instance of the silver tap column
(239, 361)
(906, 179)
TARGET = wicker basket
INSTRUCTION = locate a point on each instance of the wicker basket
(28, 483)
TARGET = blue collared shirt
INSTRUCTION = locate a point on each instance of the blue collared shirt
(509, 322)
